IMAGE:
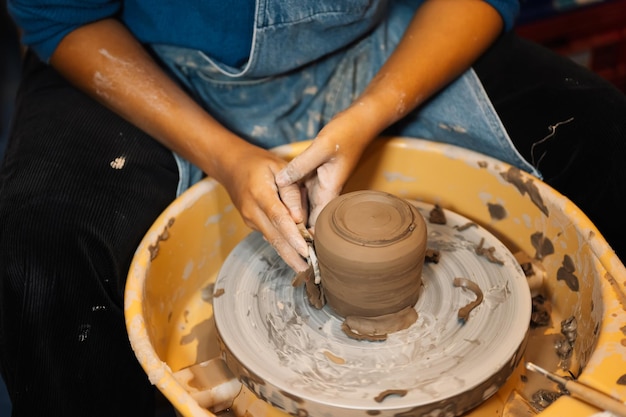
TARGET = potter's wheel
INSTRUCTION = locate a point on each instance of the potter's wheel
(297, 357)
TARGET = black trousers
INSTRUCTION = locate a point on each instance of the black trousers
(567, 120)
(69, 225)
(79, 188)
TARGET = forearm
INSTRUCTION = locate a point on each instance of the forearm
(106, 61)
(442, 41)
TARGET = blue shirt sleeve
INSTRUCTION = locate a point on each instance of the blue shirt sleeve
(44, 23)
(508, 9)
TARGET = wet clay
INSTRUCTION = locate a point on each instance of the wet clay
(488, 253)
(525, 186)
(437, 215)
(377, 328)
(383, 395)
(464, 312)
(371, 247)
(432, 256)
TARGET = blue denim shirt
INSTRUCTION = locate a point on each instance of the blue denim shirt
(221, 29)
(284, 95)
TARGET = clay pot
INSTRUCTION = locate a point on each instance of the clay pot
(370, 246)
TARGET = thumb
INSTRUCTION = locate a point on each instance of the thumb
(291, 196)
(318, 202)
(300, 166)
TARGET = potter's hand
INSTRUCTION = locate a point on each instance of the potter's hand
(438, 35)
(324, 167)
(106, 61)
(251, 186)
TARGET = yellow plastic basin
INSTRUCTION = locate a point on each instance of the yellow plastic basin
(170, 284)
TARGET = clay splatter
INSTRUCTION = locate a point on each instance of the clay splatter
(437, 215)
(334, 358)
(496, 211)
(118, 163)
(165, 234)
(540, 316)
(527, 268)
(218, 293)
(396, 176)
(618, 291)
(453, 128)
(543, 398)
(83, 332)
(569, 329)
(543, 246)
(315, 294)
(565, 346)
(488, 253)
(207, 293)
(464, 312)
(621, 380)
(566, 273)
(383, 395)
(432, 256)
(465, 226)
(514, 176)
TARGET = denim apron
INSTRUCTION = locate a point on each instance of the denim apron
(308, 61)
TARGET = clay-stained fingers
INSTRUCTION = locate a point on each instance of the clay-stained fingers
(288, 254)
(318, 203)
(305, 164)
(292, 197)
(280, 231)
(322, 189)
(306, 169)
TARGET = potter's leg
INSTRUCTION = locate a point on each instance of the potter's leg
(568, 122)
(80, 187)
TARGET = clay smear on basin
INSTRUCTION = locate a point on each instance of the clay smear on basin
(370, 246)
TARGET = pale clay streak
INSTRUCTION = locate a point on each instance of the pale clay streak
(145, 84)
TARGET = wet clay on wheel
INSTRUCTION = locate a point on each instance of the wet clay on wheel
(371, 246)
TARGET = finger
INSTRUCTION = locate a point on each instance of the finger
(288, 231)
(291, 196)
(285, 248)
(282, 233)
(316, 209)
(321, 193)
(304, 198)
(302, 165)
(288, 254)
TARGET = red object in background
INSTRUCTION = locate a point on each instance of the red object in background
(593, 35)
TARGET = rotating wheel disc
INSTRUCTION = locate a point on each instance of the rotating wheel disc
(297, 357)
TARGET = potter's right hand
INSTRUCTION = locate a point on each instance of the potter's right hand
(249, 178)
